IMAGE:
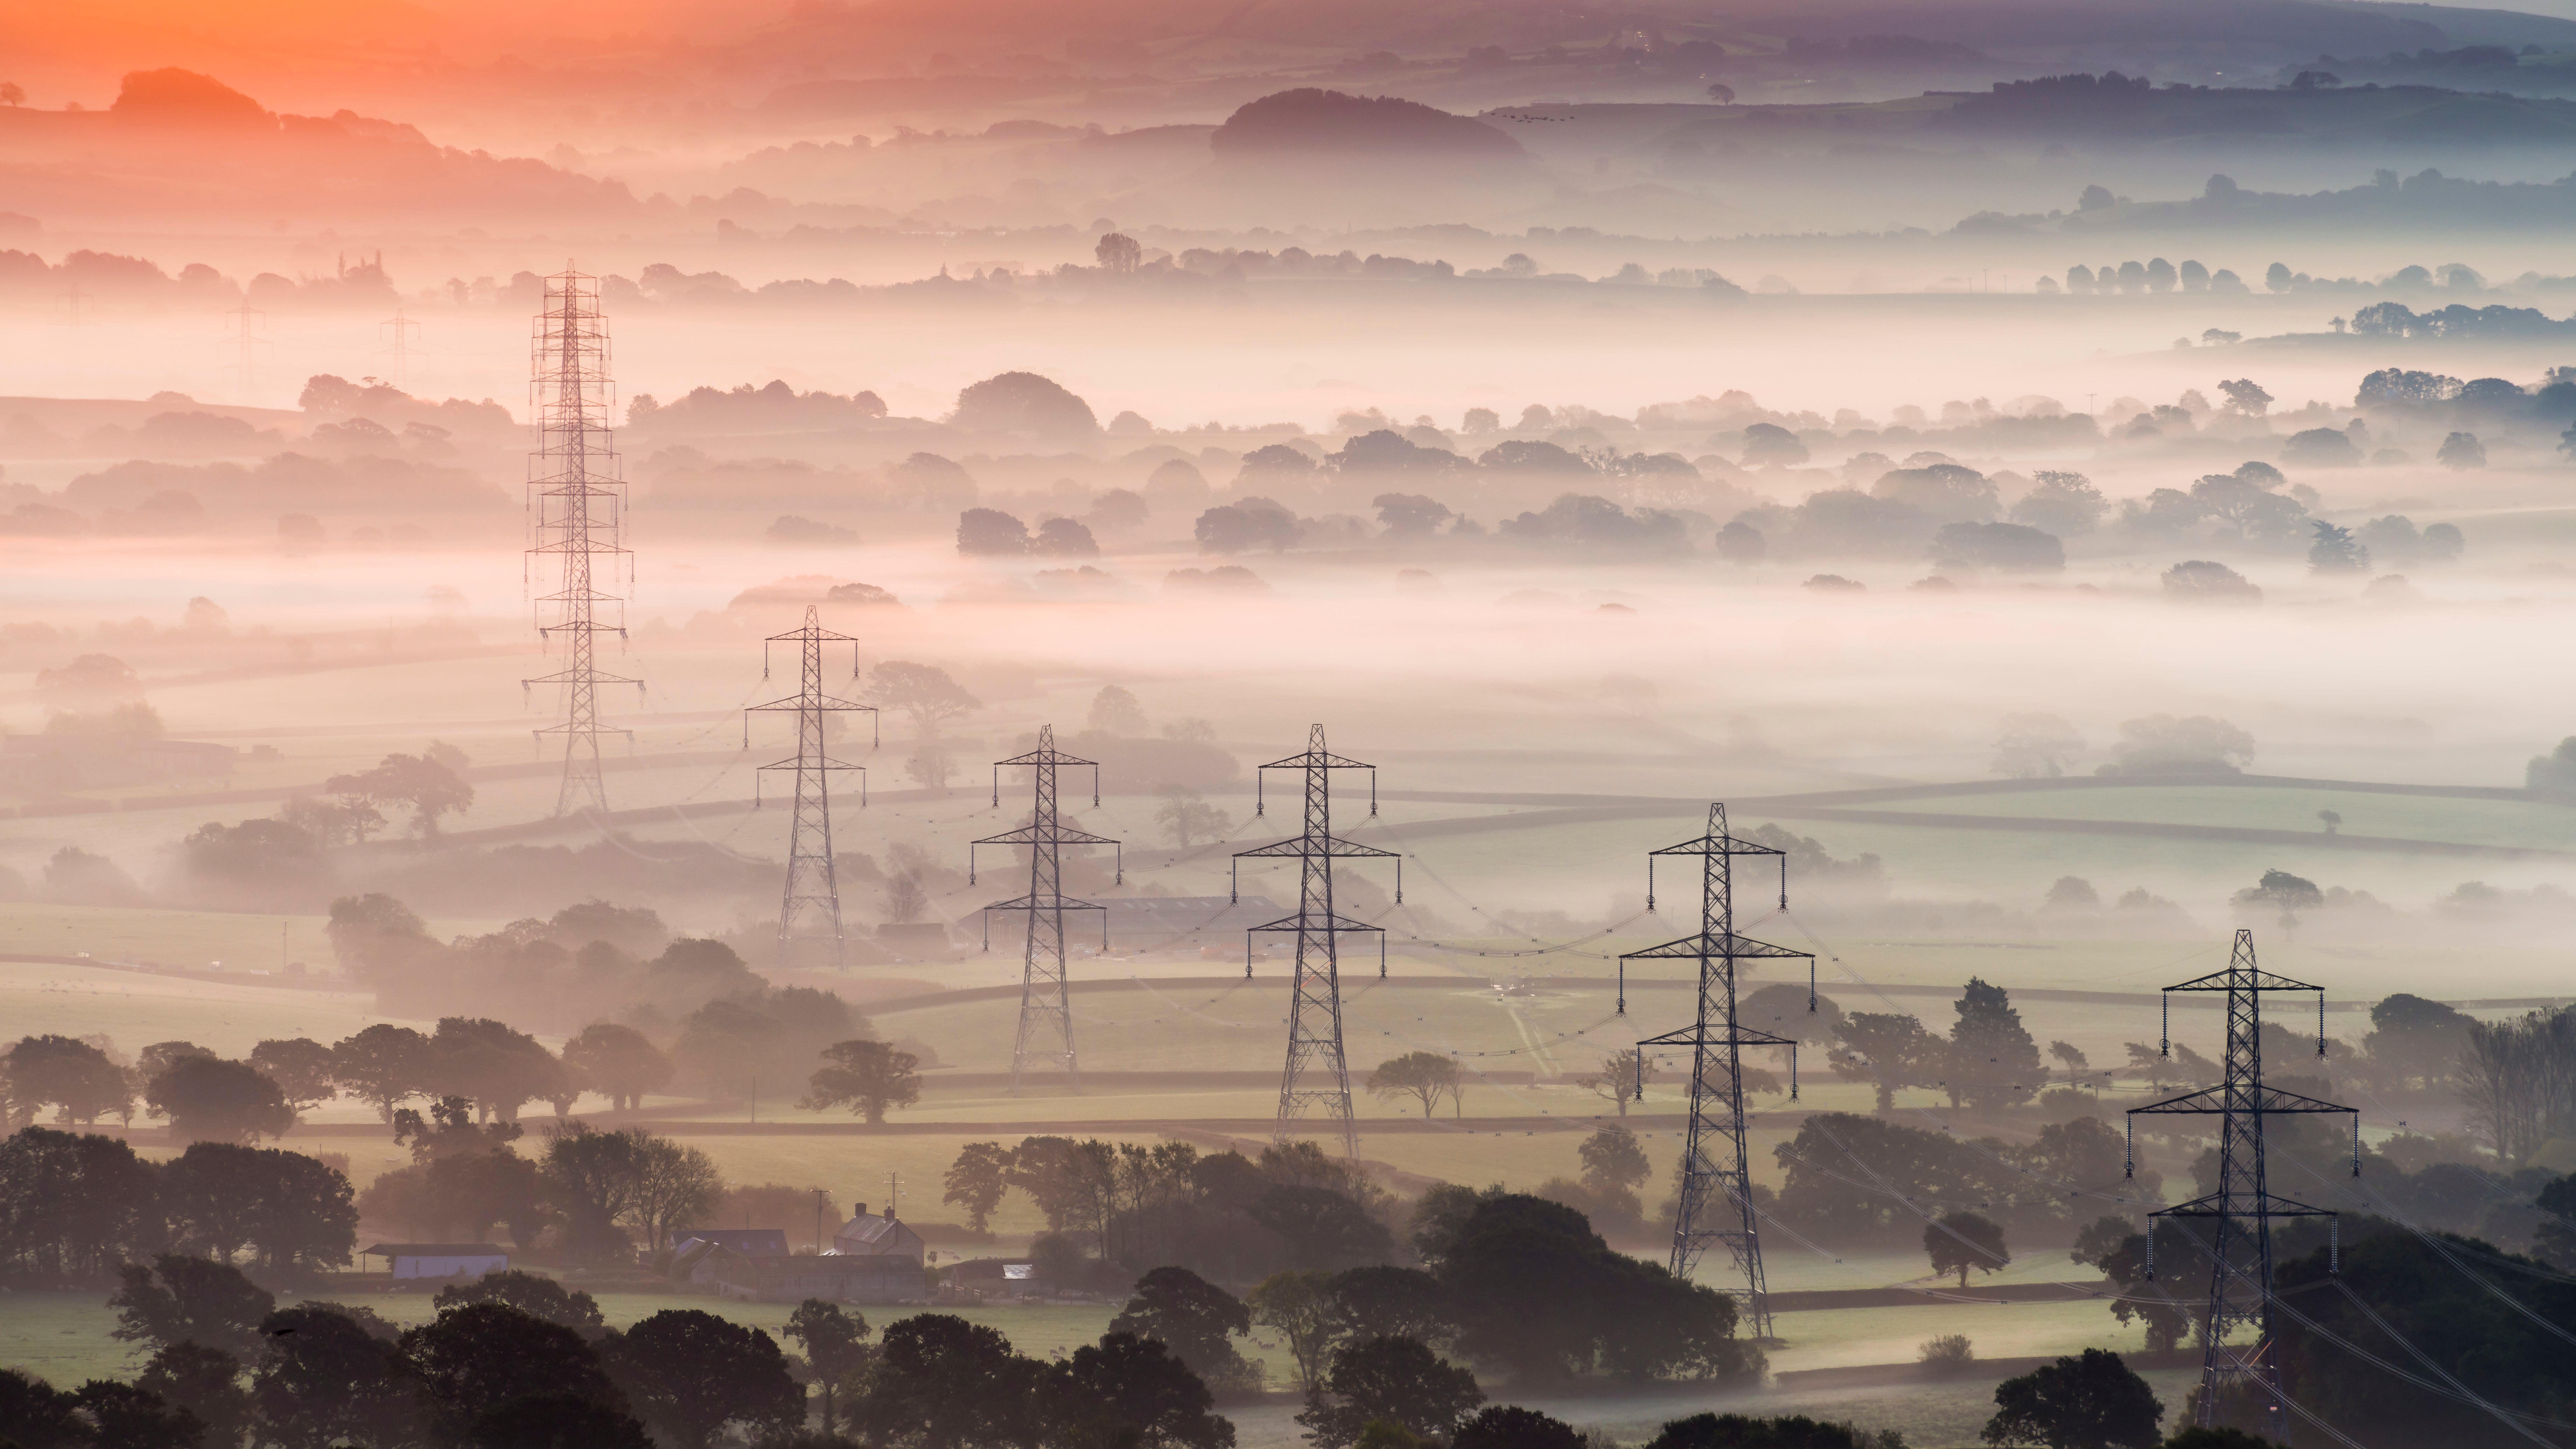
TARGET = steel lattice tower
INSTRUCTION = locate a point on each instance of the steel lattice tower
(1046, 1002)
(1716, 1201)
(2241, 1211)
(809, 913)
(577, 512)
(1317, 1075)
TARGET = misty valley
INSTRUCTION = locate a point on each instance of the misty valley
(856, 724)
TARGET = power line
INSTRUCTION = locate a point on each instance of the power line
(577, 508)
(809, 912)
(1317, 1076)
(1046, 1003)
(1716, 1202)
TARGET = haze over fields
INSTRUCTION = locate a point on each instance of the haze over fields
(2078, 483)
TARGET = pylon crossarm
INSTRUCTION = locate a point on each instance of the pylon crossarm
(1300, 846)
(2237, 978)
(1044, 757)
(1742, 948)
(1336, 923)
(1743, 1036)
(1032, 835)
(1039, 903)
(2210, 1101)
(1717, 845)
(1312, 758)
(2235, 1205)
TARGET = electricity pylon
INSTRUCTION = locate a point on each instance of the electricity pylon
(1046, 1001)
(402, 327)
(249, 334)
(577, 510)
(1317, 1075)
(809, 913)
(2241, 1211)
(1716, 1202)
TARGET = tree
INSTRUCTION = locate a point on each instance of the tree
(80, 1081)
(381, 1065)
(179, 1299)
(301, 1067)
(690, 1373)
(1114, 711)
(36, 1415)
(1117, 253)
(12, 94)
(73, 1209)
(1380, 1300)
(332, 821)
(430, 787)
(939, 1382)
(497, 1066)
(1396, 1380)
(1065, 538)
(2417, 1040)
(558, 1421)
(1322, 1228)
(2335, 550)
(299, 1214)
(1410, 515)
(1509, 1426)
(2245, 396)
(1424, 1076)
(835, 1344)
(1149, 1392)
(2205, 581)
(473, 1360)
(2069, 1056)
(617, 1062)
(990, 533)
(533, 1294)
(906, 899)
(1622, 1078)
(922, 693)
(1187, 819)
(124, 1416)
(2159, 744)
(977, 1180)
(1958, 1241)
(868, 1077)
(1245, 525)
(1993, 1061)
(593, 1177)
(2092, 1402)
(324, 1380)
(1889, 1050)
(1535, 1290)
(207, 1383)
(1613, 1162)
(2115, 1246)
(2035, 746)
(1197, 1319)
(1299, 1306)
(2461, 451)
(211, 1099)
(676, 1184)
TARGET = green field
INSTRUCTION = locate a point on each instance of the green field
(2526, 824)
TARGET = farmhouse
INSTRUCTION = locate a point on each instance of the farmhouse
(439, 1260)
